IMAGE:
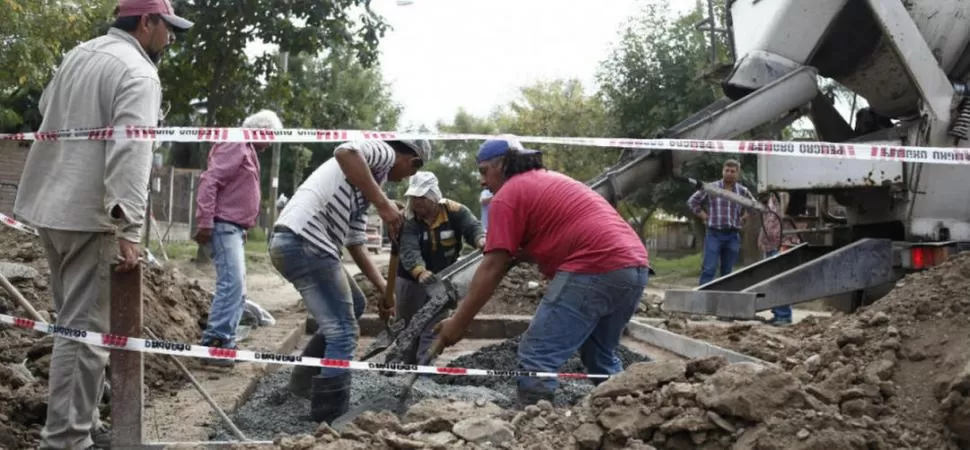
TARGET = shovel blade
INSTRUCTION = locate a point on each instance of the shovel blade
(385, 339)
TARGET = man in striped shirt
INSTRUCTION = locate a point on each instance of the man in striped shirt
(724, 220)
(327, 213)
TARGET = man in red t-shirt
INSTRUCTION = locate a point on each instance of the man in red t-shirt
(597, 264)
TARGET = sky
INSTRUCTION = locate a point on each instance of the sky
(442, 55)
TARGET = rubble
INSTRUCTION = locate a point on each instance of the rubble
(175, 308)
(894, 375)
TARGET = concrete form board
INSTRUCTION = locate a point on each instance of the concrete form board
(683, 345)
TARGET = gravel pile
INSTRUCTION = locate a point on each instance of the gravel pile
(273, 411)
(502, 356)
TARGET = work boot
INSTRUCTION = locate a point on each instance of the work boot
(329, 397)
(218, 362)
(301, 377)
(530, 397)
(101, 436)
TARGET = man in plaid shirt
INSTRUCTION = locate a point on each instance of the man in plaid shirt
(724, 220)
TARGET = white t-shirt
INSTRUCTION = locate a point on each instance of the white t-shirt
(327, 210)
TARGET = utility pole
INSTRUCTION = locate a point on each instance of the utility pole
(274, 173)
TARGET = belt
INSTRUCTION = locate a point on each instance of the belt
(727, 230)
(229, 222)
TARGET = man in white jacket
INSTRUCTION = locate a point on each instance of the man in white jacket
(87, 199)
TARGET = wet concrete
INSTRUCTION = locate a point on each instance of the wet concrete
(272, 411)
(503, 356)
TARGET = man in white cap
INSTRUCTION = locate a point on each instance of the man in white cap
(88, 199)
(431, 240)
(327, 213)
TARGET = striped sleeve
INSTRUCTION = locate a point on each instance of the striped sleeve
(357, 233)
(378, 154)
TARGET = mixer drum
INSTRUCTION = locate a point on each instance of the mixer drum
(853, 49)
(879, 76)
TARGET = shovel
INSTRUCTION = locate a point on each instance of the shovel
(398, 404)
(405, 393)
(394, 325)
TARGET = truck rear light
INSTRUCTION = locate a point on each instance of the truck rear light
(925, 257)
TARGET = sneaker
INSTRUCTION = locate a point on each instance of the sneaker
(101, 436)
(219, 362)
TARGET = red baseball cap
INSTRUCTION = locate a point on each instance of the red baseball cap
(164, 8)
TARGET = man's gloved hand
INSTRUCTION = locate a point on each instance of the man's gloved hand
(425, 276)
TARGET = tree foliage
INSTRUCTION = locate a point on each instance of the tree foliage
(561, 108)
(35, 35)
(553, 108)
(335, 92)
(652, 80)
(209, 63)
(454, 161)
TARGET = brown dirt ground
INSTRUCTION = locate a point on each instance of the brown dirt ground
(892, 376)
(174, 308)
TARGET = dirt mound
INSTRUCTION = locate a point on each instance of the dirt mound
(519, 292)
(175, 308)
(901, 359)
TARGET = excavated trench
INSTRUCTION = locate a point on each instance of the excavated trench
(272, 411)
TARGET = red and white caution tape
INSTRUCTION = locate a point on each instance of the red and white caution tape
(12, 223)
(200, 351)
(932, 155)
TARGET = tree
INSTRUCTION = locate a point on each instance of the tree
(561, 108)
(332, 92)
(651, 81)
(209, 62)
(35, 35)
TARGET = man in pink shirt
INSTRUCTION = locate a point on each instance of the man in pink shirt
(226, 207)
(597, 264)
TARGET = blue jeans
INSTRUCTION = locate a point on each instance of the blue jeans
(720, 246)
(228, 303)
(326, 290)
(780, 312)
(582, 312)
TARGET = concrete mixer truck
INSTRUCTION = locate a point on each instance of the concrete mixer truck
(910, 61)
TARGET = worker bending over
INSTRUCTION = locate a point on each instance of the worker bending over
(431, 240)
(596, 261)
(327, 213)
